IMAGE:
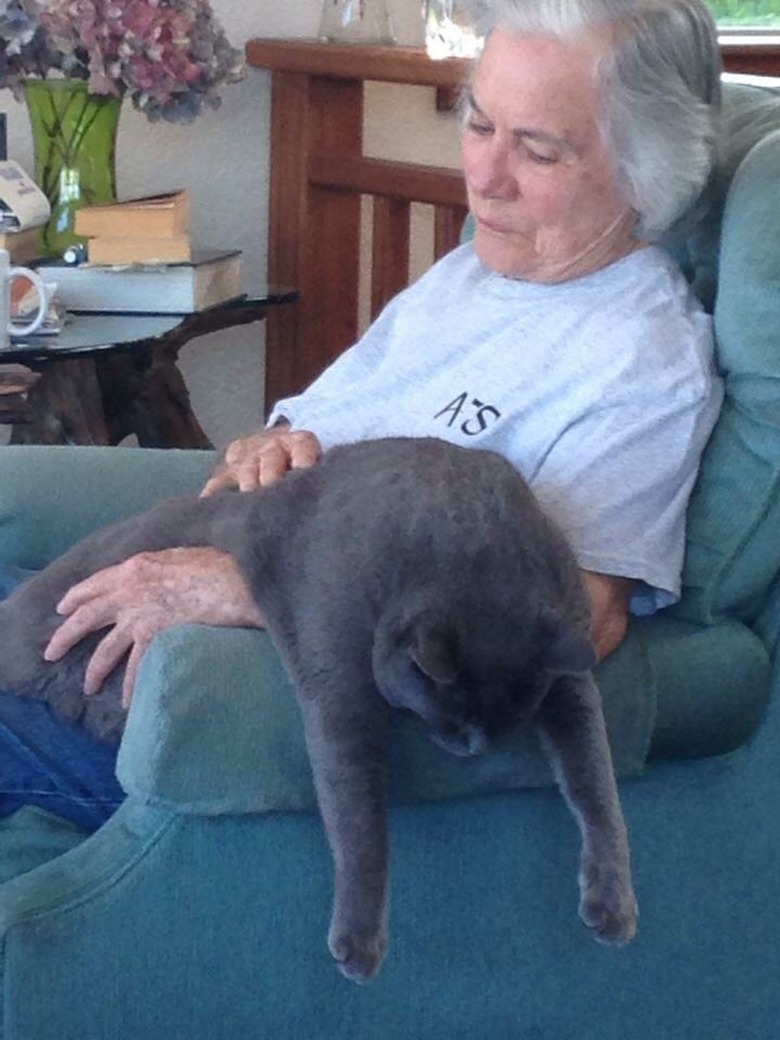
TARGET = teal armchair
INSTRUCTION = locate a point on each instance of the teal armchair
(200, 909)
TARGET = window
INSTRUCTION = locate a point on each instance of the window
(758, 15)
(749, 35)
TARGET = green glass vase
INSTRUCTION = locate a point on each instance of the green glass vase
(74, 140)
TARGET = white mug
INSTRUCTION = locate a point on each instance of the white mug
(7, 275)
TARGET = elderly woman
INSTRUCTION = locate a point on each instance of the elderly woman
(560, 336)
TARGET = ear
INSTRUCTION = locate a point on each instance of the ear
(433, 651)
(564, 649)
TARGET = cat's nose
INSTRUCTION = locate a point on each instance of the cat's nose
(463, 740)
(476, 740)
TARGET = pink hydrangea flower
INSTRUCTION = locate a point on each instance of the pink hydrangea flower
(167, 56)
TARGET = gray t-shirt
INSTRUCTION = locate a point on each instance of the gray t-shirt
(602, 391)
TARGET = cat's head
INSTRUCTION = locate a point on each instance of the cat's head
(473, 681)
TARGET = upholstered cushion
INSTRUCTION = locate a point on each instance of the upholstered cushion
(201, 743)
(250, 755)
(711, 685)
(50, 497)
(751, 110)
(32, 836)
(733, 547)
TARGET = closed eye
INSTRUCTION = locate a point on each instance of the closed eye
(480, 129)
(542, 160)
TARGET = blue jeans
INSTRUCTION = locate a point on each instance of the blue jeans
(51, 763)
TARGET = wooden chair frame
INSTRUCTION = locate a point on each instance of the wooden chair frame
(318, 176)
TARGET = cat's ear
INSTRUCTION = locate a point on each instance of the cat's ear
(564, 649)
(433, 651)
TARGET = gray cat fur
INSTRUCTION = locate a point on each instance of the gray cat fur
(395, 574)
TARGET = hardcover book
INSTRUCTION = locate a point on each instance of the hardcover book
(153, 216)
(107, 249)
(212, 277)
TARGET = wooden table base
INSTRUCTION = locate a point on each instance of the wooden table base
(16, 381)
(105, 395)
(103, 399)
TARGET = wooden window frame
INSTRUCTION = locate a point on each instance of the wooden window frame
(751, 53)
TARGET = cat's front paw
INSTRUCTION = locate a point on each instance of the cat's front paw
(608, 906)
(359, 957)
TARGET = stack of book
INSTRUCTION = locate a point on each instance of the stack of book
(140, 261)
(212, 276)
(150, 230)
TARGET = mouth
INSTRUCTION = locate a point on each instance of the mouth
(491, 226)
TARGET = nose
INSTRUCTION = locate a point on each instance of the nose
(462, 740)
(487, 169)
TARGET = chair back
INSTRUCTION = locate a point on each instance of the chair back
(731, 256)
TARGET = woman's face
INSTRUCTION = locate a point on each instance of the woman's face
(540, 183)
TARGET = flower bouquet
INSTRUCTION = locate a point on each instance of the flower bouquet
(75, 60)
(168, 56)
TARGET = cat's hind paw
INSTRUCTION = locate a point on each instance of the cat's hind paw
(359, 958)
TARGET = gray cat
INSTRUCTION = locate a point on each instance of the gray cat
(395, 574)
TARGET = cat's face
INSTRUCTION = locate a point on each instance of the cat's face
(473, 684)
(464, 715)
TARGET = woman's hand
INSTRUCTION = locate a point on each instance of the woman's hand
(143, 595)
(261, 459)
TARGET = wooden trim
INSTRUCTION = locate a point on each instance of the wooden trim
(390, 251)
(314, 237)
(447, 226)
(434, 185)
(288, 204)
(351, 61)
(333, 232)
(751, 54)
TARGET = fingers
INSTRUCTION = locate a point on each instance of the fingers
(305, 450)
(107, 654)
(84, 620)
(271, 465)
(131, 671)
(263, 459)
(89, 607)
(105, 658)
(221, 479)
(89, 589)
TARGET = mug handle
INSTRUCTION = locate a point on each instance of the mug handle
(14, 328)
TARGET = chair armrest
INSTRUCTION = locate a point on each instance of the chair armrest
(50, 497)
(214, 728)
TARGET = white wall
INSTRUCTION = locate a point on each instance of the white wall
(223, 159)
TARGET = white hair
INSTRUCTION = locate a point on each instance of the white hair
(659, 86)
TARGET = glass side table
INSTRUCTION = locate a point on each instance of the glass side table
(106, 376)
